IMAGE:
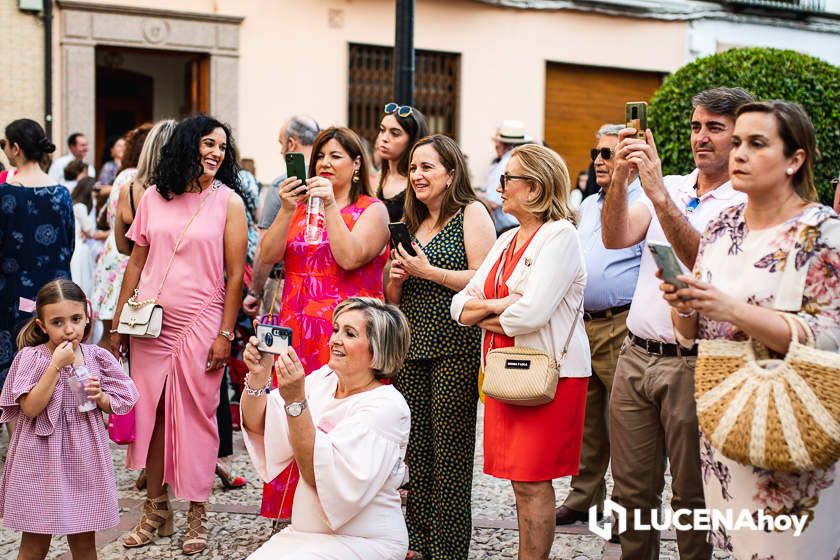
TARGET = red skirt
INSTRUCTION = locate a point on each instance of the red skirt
(536, 443)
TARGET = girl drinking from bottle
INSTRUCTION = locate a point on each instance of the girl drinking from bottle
(59, 478)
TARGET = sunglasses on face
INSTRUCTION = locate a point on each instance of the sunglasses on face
(505, 178)
(401, 110)
(606, 153)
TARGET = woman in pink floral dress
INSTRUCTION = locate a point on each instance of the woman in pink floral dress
(737, 293)
(347, 262)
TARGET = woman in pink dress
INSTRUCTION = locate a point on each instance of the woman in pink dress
(347, 261)
(178, 374)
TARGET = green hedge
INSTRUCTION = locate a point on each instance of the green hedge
(768, 74)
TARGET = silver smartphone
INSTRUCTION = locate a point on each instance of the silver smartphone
(273, 339)
(667, 263)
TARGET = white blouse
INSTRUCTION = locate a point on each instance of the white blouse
(360, 444)
(551, 276)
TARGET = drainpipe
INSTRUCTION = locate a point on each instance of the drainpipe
(48, 117)
(404, 53)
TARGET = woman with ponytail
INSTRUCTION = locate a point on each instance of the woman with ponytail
(36, 231)
(59, 476)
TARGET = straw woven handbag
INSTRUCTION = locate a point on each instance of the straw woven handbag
(782, 415)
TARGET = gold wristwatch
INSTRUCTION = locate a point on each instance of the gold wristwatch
(227, 334)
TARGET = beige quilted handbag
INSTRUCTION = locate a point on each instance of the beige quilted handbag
(782, 415)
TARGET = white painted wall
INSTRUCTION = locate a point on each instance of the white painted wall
(708, 36)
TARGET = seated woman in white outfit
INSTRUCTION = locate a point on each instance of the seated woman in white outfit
(346, 430)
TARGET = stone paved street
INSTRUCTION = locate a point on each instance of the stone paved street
(236, 529)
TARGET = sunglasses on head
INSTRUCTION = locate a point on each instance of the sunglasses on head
(401, 110)
(606, 153)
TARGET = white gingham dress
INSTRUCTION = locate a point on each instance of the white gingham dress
(59, 477)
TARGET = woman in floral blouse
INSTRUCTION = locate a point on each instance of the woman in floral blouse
(737, 282)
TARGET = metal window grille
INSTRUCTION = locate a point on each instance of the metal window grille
(371, 86)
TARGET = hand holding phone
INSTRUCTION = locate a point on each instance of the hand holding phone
(296, 166)
(401, 236)
(667, 263)
(273, 339)
(636, 117)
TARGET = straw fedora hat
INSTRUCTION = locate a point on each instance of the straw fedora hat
(512, 132)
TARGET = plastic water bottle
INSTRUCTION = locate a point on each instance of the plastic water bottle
(79, 382)
(315, 221)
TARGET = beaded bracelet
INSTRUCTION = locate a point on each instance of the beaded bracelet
(256, 392)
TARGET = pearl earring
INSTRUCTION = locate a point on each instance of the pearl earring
(789, 171)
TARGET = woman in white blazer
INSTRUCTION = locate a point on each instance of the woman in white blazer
(527, 292)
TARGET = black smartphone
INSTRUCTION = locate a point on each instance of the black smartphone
(273, 339)
(636, 112)
(296, 166)
(667, 263)
(400, 235)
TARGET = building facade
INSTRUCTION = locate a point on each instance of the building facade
(561, 67)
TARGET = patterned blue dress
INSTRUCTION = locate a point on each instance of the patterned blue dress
(37, 239)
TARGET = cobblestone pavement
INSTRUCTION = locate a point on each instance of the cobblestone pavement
(236, 529)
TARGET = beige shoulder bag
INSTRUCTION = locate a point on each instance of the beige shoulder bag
(144, 319)
(521, 375)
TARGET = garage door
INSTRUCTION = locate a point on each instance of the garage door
(579, 99)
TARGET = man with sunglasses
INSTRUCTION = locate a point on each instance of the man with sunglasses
(611, 279)
(652, 408)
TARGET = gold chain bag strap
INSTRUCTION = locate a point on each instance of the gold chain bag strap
(782, 415)
(521, 375)
(144, 319)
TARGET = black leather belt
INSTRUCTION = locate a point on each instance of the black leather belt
(662, 348)
(605, 313)
(276, 273)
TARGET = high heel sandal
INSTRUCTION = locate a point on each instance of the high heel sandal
(157, 516)
(228, 480)
(196, 536)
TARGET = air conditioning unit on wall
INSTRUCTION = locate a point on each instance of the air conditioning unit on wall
(31, 5)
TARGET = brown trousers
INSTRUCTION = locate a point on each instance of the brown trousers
(653, 417)
(588, 487)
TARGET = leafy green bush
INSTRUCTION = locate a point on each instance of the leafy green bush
(767, 74)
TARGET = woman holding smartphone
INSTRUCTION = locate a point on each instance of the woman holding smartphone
(346, 261)
(451, 233)
(400, 128)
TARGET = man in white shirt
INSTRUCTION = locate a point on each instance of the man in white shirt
(652, 409)
(509, 135)
(78, 145)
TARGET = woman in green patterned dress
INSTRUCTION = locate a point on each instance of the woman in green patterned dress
(452, 232)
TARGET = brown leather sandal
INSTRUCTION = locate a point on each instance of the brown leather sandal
(196, 536)
(157, 516)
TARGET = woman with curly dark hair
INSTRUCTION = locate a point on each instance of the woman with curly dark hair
(190, 240)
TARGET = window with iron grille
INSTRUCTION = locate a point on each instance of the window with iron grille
(371, 86)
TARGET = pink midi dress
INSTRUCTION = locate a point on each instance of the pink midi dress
(59, 476)
(172, 367)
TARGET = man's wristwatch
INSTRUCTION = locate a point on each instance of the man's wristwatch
(227, 334)
(296, 408)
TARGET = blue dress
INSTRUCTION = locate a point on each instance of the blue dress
(37, 239)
